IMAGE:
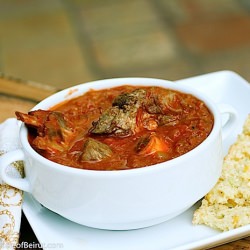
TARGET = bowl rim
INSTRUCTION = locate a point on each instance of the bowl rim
(79, 89)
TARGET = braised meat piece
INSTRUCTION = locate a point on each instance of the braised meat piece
(115, 121)
(53, 130)
(163, 102)
(127, 100)
(120, 119)
(34, 119)
(94, 150)
(168, 120)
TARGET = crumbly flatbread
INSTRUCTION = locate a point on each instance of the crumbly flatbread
(227, 205)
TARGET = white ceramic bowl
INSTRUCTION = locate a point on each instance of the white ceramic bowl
(125, 199)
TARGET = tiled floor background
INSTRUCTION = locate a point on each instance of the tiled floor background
(65, 42)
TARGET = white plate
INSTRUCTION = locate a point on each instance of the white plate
(54, 231)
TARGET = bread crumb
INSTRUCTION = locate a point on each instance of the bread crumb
(227, 205)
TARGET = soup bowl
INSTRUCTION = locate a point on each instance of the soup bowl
(122, 199)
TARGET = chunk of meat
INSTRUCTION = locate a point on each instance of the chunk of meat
(120, 119)
(94, 150)
(127, 100)
(162, 102)
(115, 121)
(54, 131)
(168, 120)
(34, 119)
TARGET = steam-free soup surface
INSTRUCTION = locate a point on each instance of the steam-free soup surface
(119, 128)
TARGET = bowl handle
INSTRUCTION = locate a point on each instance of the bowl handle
(230, 119)
(5, 160)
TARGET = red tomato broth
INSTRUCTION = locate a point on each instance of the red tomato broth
(178, 137)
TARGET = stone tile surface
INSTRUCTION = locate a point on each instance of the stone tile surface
(215, 34)
(40, 45)
(65, 42)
